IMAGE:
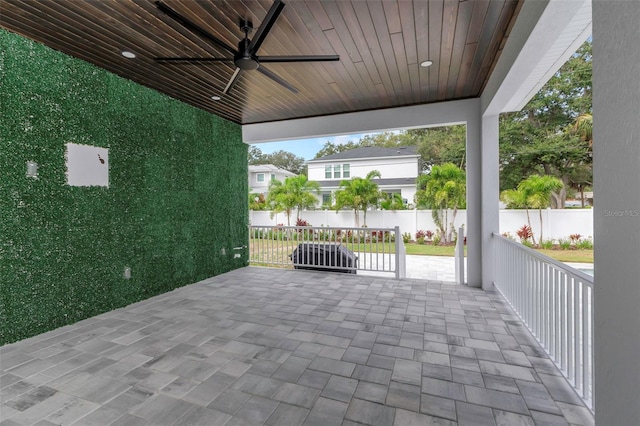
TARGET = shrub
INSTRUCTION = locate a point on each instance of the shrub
(527, 243)
(546, 244)
(508, 235)
(302, 222)
(524, 233)
(575, 238)
(420, 240)
(406, 237)
(324, 235)
(565, 244)
(585, 244)
(429, 235)
(420, 234)
(436, 240)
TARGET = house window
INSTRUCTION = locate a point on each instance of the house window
(346, 172)
(273, 177)
(326, 199)
(327, 172)
(260, 177)
(336, 171)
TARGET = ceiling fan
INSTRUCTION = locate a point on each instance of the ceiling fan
(245, 58)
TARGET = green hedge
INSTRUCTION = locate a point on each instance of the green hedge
(177, 193)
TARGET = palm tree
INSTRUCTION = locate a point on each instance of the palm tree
(358, 194)
(443, 189)
(392, 201)
(294, 193)
(517, 199)
(583, 127)
(533, 192)
(539, 189)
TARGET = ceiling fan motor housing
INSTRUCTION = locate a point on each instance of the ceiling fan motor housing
(244, 59)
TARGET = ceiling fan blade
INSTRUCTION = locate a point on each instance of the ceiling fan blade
(265, 27)
(194, 27)
(277, 79)
(191, 60)
(298, 58)
(232, 81)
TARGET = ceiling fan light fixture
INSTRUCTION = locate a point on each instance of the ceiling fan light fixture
(426, 64)
(128, 54)
(215, 98)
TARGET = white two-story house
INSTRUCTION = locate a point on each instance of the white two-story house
(261, 175)
(397, 166)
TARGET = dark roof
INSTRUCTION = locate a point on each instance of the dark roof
(369, 152)
(379, 182)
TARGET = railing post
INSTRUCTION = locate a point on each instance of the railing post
(401, 257)
(460, 256)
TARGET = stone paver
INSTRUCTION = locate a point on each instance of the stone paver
(278, 347)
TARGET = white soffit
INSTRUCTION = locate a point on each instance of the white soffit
(532, 56)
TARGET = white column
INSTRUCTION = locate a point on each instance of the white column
(616, 112)
(474, 201)
(490, 196)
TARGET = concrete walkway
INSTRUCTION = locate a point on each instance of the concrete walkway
(442, 268)
(260, 346)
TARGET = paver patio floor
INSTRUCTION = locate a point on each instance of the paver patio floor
(280, 347)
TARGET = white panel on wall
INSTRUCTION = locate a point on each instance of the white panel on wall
(87, 165)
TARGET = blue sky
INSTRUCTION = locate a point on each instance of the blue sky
(306, 148)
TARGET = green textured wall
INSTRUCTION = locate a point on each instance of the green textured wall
(177, 192)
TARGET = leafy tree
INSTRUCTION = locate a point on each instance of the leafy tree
(440, 145)
(330, 148)
(581, 176)
(358, 194)
(281, 159)
(533, 192)
(538, 139)
(257, 201)
(286, 160)
(256, 156)
(294, 193)
(441, 190)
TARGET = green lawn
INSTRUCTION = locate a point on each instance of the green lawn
(580, 256)
(262, 249)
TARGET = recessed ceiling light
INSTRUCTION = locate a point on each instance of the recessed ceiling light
(216, 98)
(426, 63)
(127, 54)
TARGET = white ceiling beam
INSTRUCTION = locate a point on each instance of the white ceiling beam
(428, 115)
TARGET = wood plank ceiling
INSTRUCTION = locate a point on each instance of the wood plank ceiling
(381, 44)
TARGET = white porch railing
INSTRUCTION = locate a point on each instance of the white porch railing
(375, 249)
(555, 302)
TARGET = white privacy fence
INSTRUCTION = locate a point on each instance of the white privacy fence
(335, 249)
(555, 302)
(557, 223)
